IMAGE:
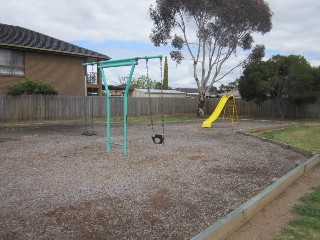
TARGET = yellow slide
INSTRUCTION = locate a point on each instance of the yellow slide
(207, 123)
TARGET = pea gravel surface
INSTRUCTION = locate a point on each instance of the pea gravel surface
(56, 183)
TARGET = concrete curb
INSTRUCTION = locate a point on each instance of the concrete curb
(234, 220)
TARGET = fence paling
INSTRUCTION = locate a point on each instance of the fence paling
(38, 108)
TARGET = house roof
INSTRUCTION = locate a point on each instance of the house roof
(193, 91)
(113, 87)
(158, 91)
(188, 90)
(235, 93)
(19, 37)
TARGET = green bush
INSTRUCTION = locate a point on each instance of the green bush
(31, 87)
(15, 89)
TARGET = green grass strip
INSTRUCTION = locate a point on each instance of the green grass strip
(305, 136)
(307, 224)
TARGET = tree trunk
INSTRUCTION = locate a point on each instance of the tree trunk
(280, 106)
(201, 101)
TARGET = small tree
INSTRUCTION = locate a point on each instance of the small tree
(165, 74)
(144, 82)
(210, 31)
(282, 78)
(31, 87)
(228, 88)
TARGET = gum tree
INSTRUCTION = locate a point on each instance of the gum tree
(209, 32)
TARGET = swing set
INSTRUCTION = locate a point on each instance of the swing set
(157, 138)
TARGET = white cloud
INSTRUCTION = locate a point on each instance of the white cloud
(74, 20)
(296, 29)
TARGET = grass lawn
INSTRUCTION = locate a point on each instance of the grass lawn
(304, 136)
(307, 224)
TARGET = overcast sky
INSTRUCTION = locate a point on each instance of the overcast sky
(121, 29)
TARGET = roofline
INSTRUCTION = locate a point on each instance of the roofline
(159, 91)
(53, 51)
(165, 93)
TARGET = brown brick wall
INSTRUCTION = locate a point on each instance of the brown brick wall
(65, 73)
(5, 81)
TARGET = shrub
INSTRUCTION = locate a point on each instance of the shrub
(31, 87)
(15, 89)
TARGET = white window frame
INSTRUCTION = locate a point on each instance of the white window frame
(12, 62)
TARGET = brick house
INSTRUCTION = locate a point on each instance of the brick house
(28, 54)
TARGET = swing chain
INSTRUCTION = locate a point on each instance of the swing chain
(156, 138)
(90, 77)
(150, 107)
(161, 77)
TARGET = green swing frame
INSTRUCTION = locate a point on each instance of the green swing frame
(110, 64)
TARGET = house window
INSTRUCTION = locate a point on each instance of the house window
(11, 62)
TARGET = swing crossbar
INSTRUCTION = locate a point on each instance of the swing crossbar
(117, 143)
(118, 63)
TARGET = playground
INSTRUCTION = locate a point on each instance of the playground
(60, 184)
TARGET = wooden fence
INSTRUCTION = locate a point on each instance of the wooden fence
(39, 107)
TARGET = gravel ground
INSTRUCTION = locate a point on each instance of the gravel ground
(59, 184)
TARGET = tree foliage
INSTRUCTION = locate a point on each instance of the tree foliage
(282, 78)
(31, 87)
(257, 54)
(210, 31)
(144, 82)
(231, 86)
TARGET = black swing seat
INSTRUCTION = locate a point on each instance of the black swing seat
(157, 138)
(89, 132)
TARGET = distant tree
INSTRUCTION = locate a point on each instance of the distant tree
(145, 82)
(229, 87)
(222, 88)
(233, 85)
(214, 89)
(158, 85)
(210, 31)
(165, 74)
(31, 87)
(282, 78)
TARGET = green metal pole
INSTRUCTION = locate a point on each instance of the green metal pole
(108, 128)
(120, 62)
(150, 57)
(123, 62)
(125, 110)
